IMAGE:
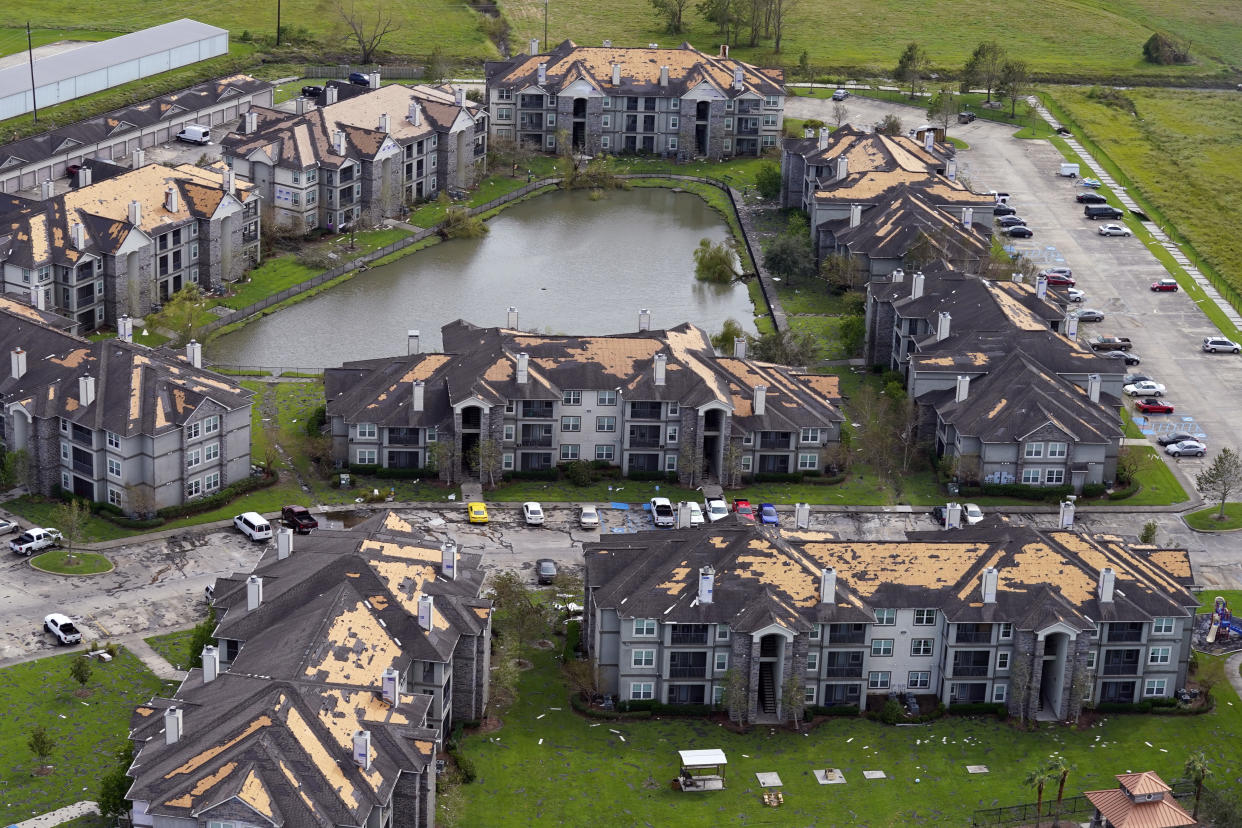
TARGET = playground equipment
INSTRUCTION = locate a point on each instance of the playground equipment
(1222, 617)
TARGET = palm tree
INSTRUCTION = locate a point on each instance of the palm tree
(1058, 768)
(1037, 779)
(1197, 770)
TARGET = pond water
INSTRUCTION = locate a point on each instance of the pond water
(570, 265)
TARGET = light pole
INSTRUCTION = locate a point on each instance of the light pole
(545, 24)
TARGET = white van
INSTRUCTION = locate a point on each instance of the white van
(195, 134)
(254, 526)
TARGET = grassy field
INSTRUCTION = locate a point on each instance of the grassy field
(1160, 486)
(87, 731)
(1182, 151)
(550, 766)
(1205, 520)
(13, 40)
(174, 647)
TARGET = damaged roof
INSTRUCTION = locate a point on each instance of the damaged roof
(762, 577)
(137, 390)
(688, 68)
(865, 151)
(909, 220)
(973, 351)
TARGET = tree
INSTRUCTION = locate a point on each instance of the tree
(112, 789)
(889, 125)
(368, 25)
(1020, 682)
(41, 743)
(841, 271)
(1197, 770)
(14, 469)
(1058, 768)
(786, 347)
(1148, 535)
(581, 677)
(180, 314)
(942, 109)
(804, 67)
(437, 66)
(1222, 478)
(852, 333)
(81, 670)
(690, 461)
(1037, 779)
(731, 465)
(789, 257)
(793, 701)
(71, 518)
(984, 67)
(485, 459)
(730, 331)
(779, 11)
(446, 458)
(768, 180)
(204, 633)
(714, 262)
(1014, 79)
(911, 67)
(724, 14)
(839, 113)
(673, 12)
(736, 699)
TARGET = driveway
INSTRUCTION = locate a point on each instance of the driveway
(1116, 273)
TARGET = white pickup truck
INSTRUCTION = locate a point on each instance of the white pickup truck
(34, 540)
(662, 512)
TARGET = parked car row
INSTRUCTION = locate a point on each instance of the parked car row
(1176, 443)
(971, 514)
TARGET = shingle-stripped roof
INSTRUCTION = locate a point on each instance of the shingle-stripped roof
(907, 220)
(137, 390)
(869, 152)
(640, 71)
(761, 577)
(972, 352)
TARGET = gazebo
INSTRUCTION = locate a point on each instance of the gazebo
(1142, 799)
(702, 770)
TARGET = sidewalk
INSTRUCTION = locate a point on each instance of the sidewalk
(154, 662)
(60, 815)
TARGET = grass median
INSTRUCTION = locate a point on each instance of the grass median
(1208, 520)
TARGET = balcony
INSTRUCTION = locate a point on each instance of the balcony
(1125, 634)
(1120, 670)
(645, 442)
(536, 410)
(973, 637)
(843, 672)
(846, 636)
(747, 107)
(747, 130)
(84, 468)
(780, 443)
(535, 442)
(403, 436)
(695, 672)
(689, 634)
(969, 670)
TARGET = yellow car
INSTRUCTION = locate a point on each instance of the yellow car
(477, 512)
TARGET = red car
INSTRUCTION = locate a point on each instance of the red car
(1152, 405)
(1060, 280)
(743, 508)
(1165, 285)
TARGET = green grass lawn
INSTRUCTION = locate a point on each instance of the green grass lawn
(1205, 519)
(1160, 486)
(13, 40)
(622, 491)
(173, 646)
(582, 770)
(83, 563)
(87, 732)
(861, 487)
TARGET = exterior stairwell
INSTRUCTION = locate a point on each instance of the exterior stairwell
(767, 690)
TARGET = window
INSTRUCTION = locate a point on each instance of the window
(504, 94)
(810, 435)
(673, 123)
(214, 824)
(605, 423)
(511, 407)
(672, 142)
(606, 121)
(671, 435)
(769, 120)
(606, 397)
(605, 141)
(918, 680)
(114, 468)
(722, 632)
(114, 496)
(924, 617)
(722, 662)
(1002, 661)
(673, 409)
(212, 481)
(504, 113)
(114, 441)
(605, 452)
(1057, 449)
(1091, 660)
(506, 462)
(194, 274)
(1155, 687)
(571, 424)
(674, 104)
(64, 480)
(1031, 477)
(1034, 450)
(882, 647)
(718, 690)
(509, 432)
(1162, 626)
(193, 430)
(432, 435)
(670, 462)
(998, 693)
(551, 142)
(194, 488)
(569, 451)
(886, 617)
(192, 458)
(571, 398)
(808, 694)
(1055, 476)
(728, 107)
(808, 461)
(815, 628)
(1006, 631)
(64, 451)
(644, 627)
(642, 658)
(921, 646)
(642, 690)
(366, 431)
(748, 439)
(747, 462)
(194, 247)
(729, 121)
(64, 424)
(877, 680)
(1159, 655)
(366, 457)
(771, 101)
(812, 662)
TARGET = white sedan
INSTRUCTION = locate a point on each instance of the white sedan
(1146, 388)
(1075, 294)
(588, 517)
(972, 513)
(532, 512)
(1114, 230)
(696, 513)
(716, 509)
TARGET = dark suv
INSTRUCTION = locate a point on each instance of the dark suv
(312, 91)
(299, 519)
(360, 78)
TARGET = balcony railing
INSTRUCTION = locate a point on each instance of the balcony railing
(973, 637)
(843, 672)
(969, 670)
(536, 442)
(84, 468)
(859, 637)
(781, 443)
(1124, 636)
(1120, 670)
(403, 437)
(687, 672)
(644, 442)
(688, 637)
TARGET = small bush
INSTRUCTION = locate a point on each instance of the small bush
(316, 421)
(1166, 50)
(573, 634)
(977, 709)
(892, 712)
(842, 710)
(768, 180)
(220, 498)
(459, 224)
(1094, 490)
(1149, 532)
(579, 473)
(543, 474)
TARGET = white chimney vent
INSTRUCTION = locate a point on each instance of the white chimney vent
(284, 543)
(802, 515)
(172, 203)
(739, 78)
(254, 593)
(944, 322)
(211, 663)
(534, 46)
(707, 584)
(138, 159)
(125, 328)
(448, 559)
(362, 749)
(991, 579)
(607, 44)
(1066, 517)
(135, 213)
(663, 76)
(46, 190)
(511, 320)
(426, 612)
(299, 105)
(229, 182)
(84, 177)
(194, 353)
(823, 138)
(330, 94)
(660, 365)
(78, 231)
(916, 286)
(251, 122)
(543, 73)
(17, 362)
(968, 217)
(644, 320)
(760, 403)
(172, 725)
(843, 166)
(338, 142)
(459, 96)
(374, 80)
(383, 122)
(389, 686)
(616, 74)
(683, 515)
(411, 342)
(1108, 581)
(523, 368)
(653, 45)
(1093, 387)
(929, 138)
(739, 347)
(827, 585)
(963, 388)
(86, 390)
(898, 275)
(953, 516)
(1041, 287)
(808, 132)
(855, 215)
(1071, 326)
(420, 393)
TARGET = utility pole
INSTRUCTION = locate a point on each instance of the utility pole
(545, 24)
(30, 51)
(277, 22)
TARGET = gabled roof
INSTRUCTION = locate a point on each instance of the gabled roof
(640, 71)
(1126, 806)
(972, 352)
(868, 152)
(904, 222)
(137, 390)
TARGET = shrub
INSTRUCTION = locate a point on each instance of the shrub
(1166, 50)
(579, 473)
(459, 224)
(573, 634)
(1122, 494)
(316, 421)
(892, 712)
(777, 477)
(977, 709)
(1149, 532)
(664, 477)
(1094, 490)
(544, 474)
(220, 498)
(768, 180)
(836, 710)
(407, 474)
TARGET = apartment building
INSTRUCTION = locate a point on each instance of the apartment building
(650, 401)
(339, 665)
(1038, 620)
(117, 422)
(677, 103)
(124, 245)
(375, 152)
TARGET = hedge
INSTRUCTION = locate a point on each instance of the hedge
(836, 710)
(774, 477)
(670, 477)
(220, 498)
(977, 709)
(657, 708)
(408, 474)
(1159, 707)
(578, 703)
(573, 633)
(1018, 490)
(543, 474)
